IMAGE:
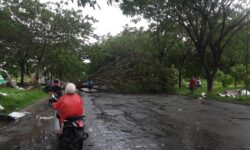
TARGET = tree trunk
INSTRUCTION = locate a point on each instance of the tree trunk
(37, 79)
(210, 71)
(210, 83)
(60, 75)
(180, 79)
(51, 77)
(46, 79)
(160, 56)
(22, 67)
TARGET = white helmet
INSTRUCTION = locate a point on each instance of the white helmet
(70, 88)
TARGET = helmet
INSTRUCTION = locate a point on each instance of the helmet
(70, 88)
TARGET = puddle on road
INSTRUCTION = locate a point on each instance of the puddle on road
(113, 112)
(46, 118)
(31, 132)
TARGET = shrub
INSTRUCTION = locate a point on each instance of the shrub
(224, 79)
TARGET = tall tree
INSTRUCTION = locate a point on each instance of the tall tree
(210, 24)
(30, 33)
(24, 15)
(178, 56)
(65, 29)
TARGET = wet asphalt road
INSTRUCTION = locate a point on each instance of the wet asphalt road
(153, 122)
(139, 122)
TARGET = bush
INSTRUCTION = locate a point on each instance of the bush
(225, 79)
(238, 72)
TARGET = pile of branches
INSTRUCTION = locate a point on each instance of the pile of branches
(135, 75)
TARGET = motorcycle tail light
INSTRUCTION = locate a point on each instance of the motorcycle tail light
(80, 123)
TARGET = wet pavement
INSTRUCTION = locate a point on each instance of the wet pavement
(139, 122)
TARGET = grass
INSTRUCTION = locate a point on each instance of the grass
(218, 88)
(19, 99)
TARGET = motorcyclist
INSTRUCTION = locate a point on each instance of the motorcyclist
(55, 88)
(70, 104)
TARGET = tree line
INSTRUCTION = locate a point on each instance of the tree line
(199, 37)
(43, 39)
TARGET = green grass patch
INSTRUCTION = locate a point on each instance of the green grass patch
(19, 99)
(218, 88)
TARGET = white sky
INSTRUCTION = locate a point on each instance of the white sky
(111, 20)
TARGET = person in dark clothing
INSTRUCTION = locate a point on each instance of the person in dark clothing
(55, 88)
(47, 88)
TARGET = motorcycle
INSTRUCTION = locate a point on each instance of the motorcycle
(53, 99)
(72, 135)
(71, 132)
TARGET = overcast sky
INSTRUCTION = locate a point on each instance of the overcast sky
(111, 20)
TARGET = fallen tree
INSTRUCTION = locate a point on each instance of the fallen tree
(135, 75)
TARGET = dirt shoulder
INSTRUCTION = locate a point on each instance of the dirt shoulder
(30, 130)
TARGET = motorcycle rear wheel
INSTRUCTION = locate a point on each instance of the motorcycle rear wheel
(71, 139)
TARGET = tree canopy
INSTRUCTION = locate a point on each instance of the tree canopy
(210, 24)
(36, 39)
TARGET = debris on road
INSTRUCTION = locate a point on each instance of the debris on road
(203, 94)
(245, 92)
(18, 115)
(1, 107)
(234, 93)
(3, 94)
(46, 118)
(5, 117)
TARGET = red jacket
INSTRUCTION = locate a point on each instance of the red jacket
(69, 105)
(192, 83)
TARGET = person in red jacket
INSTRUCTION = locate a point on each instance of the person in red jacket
(192, 84)
(70, 104)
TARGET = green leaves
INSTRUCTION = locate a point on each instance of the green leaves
(30, 34)
(126, 63)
